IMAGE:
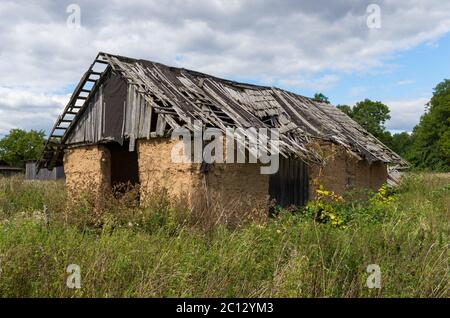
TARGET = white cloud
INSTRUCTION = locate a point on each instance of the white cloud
(357, 91)
(316, 83)
(405, 114)
(303, 44)
(28, 110)
(405, 82)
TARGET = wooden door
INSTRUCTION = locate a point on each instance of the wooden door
(289, 186)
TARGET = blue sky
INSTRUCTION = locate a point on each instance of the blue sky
(303, 46)
(415, 72)
(408, 75)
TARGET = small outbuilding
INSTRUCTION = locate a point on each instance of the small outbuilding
(117, 125)
(7, 170)
(33, 173)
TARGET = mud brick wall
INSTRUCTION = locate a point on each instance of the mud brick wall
(240, 186)
(232, 184)
(157, 171)
(342, 172)
(87, 171)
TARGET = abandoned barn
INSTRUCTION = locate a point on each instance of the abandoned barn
(117, 124)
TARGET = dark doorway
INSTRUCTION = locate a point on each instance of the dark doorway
(289, 186)
(124, 166)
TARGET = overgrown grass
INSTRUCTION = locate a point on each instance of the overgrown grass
(160, 251)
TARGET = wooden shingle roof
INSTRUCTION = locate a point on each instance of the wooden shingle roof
(192, 95)
(182, 96)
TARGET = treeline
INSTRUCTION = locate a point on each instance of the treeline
(428, 146)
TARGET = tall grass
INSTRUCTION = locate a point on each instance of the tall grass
(162, 251)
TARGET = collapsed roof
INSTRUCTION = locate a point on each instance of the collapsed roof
(140, 89)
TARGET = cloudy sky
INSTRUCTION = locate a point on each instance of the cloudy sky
(339, 48)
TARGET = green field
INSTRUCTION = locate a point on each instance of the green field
(319, 251)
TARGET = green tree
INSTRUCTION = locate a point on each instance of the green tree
(319, 97)
(345, 109)
(386, 138)
(401, 143)
(444, 142)
(371, 116)
(18, 146)
(431, 137)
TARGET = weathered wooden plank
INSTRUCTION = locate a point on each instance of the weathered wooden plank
(160, 125)
(187, 95)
